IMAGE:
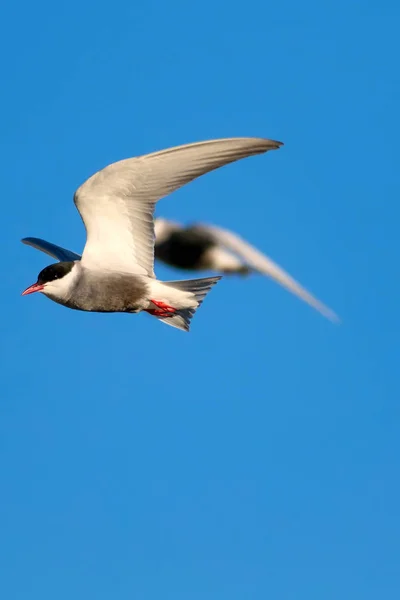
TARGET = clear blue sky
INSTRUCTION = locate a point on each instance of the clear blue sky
(258, 456)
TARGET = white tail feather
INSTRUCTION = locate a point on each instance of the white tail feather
(199, 288)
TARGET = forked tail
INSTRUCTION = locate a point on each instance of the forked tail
(199, 288)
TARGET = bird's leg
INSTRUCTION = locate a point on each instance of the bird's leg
(163, 310)
(163, 307)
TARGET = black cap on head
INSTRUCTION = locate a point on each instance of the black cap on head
(53, 272)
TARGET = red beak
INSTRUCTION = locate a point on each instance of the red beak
(35, 287)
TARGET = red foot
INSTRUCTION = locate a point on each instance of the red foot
(163, 306)
(164, 310)
(159, 313)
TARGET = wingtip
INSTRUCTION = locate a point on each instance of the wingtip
(272, 144)
(332, 316)
(28, 241)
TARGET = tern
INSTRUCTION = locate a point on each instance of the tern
(206, 247)
(116, 270)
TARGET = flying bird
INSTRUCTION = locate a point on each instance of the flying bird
(201, 247)
(116, 270)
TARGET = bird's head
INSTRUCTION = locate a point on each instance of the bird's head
(55, 280)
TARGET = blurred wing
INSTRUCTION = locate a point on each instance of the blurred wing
(264, 265)
(57, 252)
(117, 203)
(163, 228)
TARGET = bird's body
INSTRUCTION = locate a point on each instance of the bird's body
(116, 270)
(100, 292)
(202, 247)
(83, 289)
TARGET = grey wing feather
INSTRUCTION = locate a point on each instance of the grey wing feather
(264, 265)
(117, 203)
(61, 254)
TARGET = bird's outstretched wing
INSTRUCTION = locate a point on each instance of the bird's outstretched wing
(117, 203)
(264, 265)
(61, 254)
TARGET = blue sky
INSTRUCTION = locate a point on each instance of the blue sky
(258, 456)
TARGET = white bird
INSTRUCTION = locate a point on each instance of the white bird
(200, 247)
(116, 270)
